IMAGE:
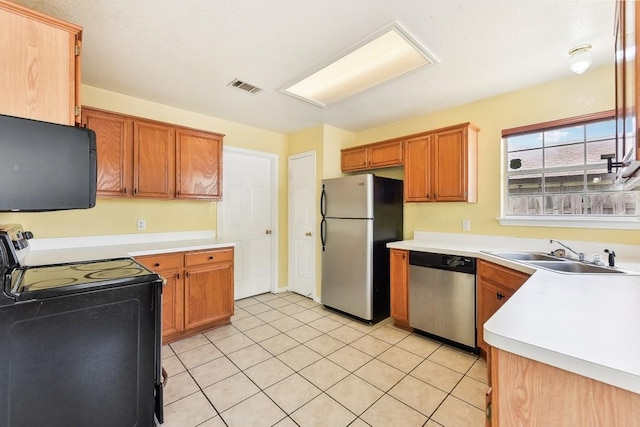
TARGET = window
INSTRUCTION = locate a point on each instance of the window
(556, 170)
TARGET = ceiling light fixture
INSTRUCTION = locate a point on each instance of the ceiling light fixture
(387, 54)
(580, 58)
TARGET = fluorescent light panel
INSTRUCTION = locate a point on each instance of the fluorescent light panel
(378, 60)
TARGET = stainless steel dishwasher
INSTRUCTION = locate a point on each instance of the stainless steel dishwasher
(442, 297)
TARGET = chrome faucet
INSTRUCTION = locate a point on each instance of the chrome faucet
(581, 255)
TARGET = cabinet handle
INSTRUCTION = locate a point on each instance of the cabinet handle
(499, 296)
(157, 264)
(186, 274)
(135, 191)
(210, 258)
(404, 256)
(177, 276)
(125, 190)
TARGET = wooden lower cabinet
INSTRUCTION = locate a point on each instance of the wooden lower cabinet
(495, 284)
(526, 392)
(208, 288)
(399, 274)
(199, 290)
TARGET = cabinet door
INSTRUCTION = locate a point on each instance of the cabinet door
(417, 169)
(40, 70)
(490, 299)
(198, 165)
(114, 140)
(153, 160)
(449, 166)
(208, 295)
(399, 286)
(353, 159)
(495, 285)
(169, 266)
(386, 154)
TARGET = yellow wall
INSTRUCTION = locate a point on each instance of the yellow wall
(117, 216)
(571, 96)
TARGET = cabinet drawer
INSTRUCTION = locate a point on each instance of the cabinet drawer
(500, 275)
(208, 257)
(161, 262)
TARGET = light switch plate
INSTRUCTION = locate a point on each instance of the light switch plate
(142, 224)
(466, 225)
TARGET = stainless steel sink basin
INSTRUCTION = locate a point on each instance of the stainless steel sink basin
(574, 267)
(527, 256)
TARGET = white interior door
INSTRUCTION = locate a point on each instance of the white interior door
(248, 216)
(302, 223)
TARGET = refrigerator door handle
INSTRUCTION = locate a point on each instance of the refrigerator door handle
(323, 202)
(323, 232)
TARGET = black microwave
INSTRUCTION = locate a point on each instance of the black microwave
(46, 166)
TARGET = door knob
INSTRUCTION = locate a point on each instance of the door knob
(308, 234)
(267, 232)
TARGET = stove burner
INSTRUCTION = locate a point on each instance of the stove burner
(104, 265)
(113, 273)
(52, 283)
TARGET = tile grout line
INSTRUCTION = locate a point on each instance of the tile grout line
(322, 356)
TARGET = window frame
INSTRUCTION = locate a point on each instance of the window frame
(570, 221)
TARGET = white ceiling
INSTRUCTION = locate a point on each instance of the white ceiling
(184, 52)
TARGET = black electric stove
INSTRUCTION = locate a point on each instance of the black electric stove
(80, 341)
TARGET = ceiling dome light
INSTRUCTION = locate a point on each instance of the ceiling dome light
(580, 58)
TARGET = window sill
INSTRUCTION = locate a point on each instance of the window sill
(549, 221)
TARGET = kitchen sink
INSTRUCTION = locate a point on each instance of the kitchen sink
(574, 267)
(527, 256)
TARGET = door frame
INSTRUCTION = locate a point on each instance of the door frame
(314, 242)
(273, 163)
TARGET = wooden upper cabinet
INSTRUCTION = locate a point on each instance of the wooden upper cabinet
(353, 159)
(114, 140)
(627, 84)
(385, 154)
(372, 156)
(40, 63)
(449, 153)
(153, 160)
(145, 158)
(198, 165)
(417, 169)
(441, 166)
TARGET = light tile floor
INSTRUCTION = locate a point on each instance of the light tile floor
(287, 361)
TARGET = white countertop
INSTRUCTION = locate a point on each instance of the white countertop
(586, 324)
(73, 249)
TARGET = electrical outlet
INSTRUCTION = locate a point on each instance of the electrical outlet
(466, 225)
(142, 224)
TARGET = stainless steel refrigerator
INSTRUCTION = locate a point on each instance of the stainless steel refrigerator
(360, 215)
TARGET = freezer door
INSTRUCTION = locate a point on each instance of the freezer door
(348, 197)
(347, 265)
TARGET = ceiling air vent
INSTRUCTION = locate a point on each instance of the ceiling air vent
(244, 86)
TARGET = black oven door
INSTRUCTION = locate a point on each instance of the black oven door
(84, 359)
